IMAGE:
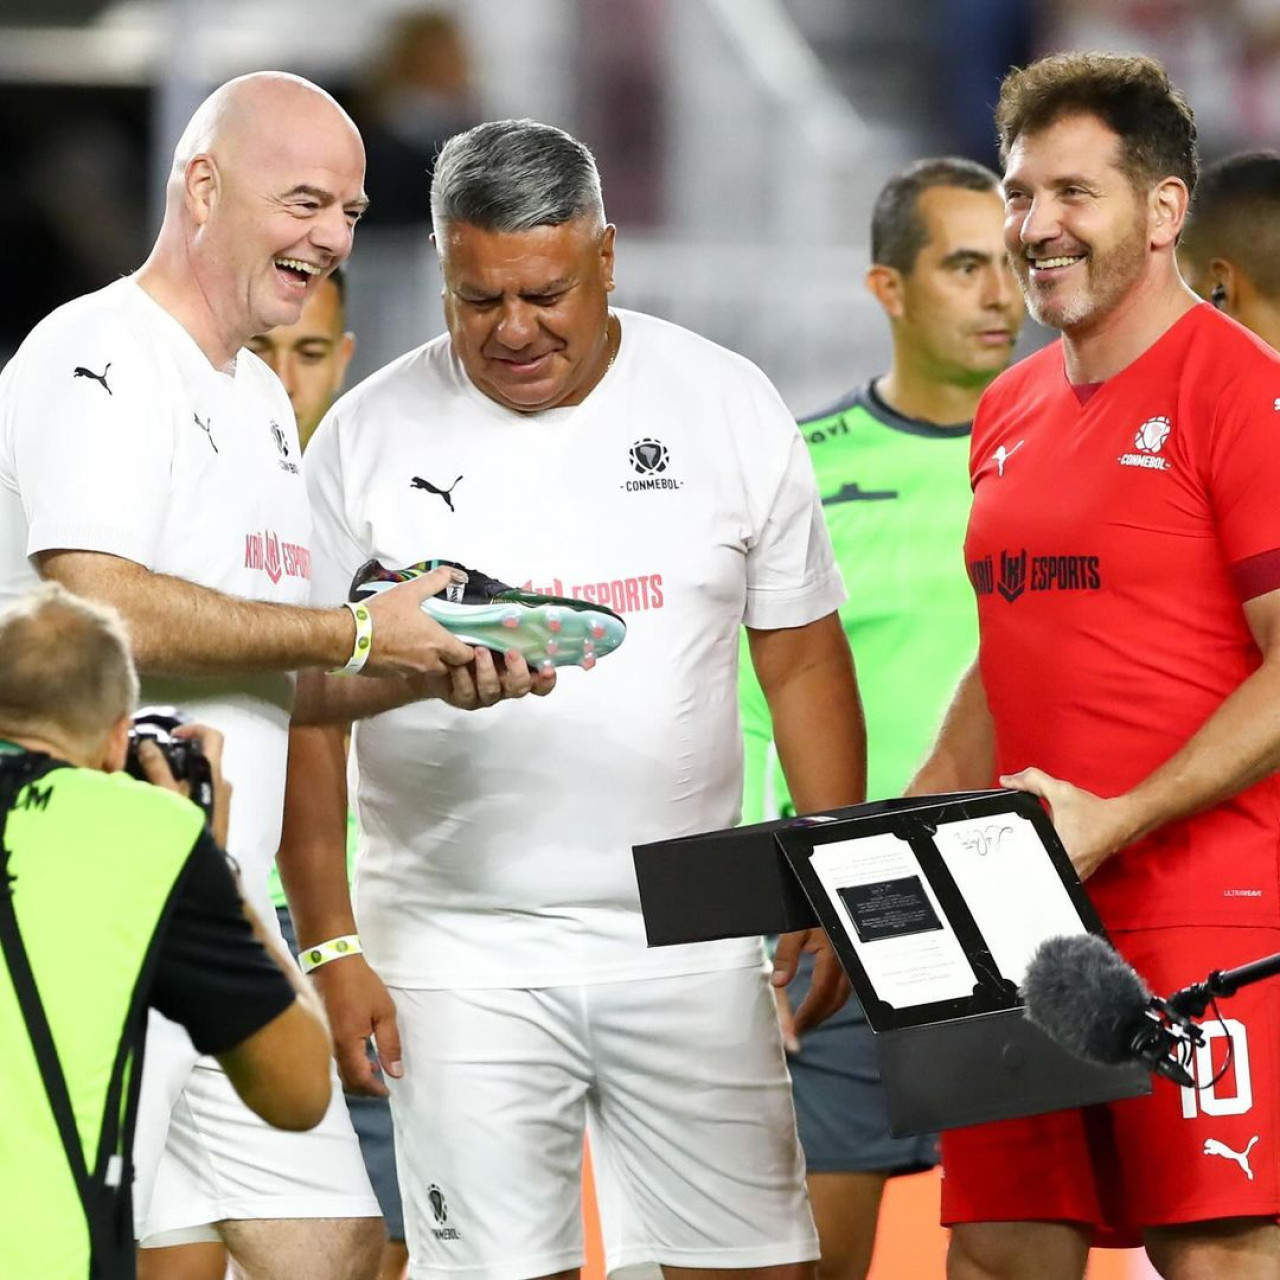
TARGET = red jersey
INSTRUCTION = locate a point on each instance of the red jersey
(1113, 540)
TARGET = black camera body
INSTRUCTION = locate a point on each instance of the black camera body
(186, 761)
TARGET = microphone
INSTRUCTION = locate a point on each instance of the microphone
(1079, 991)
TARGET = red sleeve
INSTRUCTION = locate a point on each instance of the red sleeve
(1244, 476)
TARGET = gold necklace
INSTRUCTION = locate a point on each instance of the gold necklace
(610, 346)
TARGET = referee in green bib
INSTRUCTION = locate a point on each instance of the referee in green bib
(114, 898)
(892, 465)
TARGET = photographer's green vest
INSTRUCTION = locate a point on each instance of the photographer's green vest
(88, 867)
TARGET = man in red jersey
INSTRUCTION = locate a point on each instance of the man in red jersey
(1125, 549)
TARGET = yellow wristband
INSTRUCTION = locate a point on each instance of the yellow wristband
(334, 949)
(363, 645)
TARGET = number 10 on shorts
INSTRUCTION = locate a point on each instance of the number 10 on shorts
(1207, 1098)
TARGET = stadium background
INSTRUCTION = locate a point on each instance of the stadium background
(741, 143)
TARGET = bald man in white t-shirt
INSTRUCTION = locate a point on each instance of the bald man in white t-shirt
(609, 456)
(149, 461)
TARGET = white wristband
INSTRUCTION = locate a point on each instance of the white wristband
(363, 645)
(313, 957)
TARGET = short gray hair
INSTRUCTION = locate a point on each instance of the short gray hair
(514, 175)
(67, 666)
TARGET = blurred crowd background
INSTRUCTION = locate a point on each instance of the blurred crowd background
(740, 141)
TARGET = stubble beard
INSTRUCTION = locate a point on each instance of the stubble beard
(1107, 279)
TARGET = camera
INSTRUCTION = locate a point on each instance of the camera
(186, 761)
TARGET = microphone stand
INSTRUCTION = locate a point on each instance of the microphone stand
(1192, 1001)
(1165, 1041)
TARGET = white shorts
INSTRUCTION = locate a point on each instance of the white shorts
(215, 1161)
(683, 1085)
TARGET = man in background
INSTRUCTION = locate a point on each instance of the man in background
(1230, 250)
(310, 358)
(892, 466)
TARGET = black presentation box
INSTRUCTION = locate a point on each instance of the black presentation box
(966, 1057)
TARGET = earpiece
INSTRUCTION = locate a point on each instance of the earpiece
(1218, 295)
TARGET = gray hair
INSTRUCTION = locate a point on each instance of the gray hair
(514, 175)
(67, 666)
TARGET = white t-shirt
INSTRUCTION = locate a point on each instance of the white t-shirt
(118, 435)
(496, 845)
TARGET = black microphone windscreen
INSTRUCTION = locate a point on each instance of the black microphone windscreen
(1086, 997)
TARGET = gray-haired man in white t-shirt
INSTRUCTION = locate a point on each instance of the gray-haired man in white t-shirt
(610, 456)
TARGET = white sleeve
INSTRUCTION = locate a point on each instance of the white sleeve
(92, 455)
(792, 576)
(336, 552)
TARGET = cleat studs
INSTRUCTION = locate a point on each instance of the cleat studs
(597, 630)
(546, 665)
(511, 620)
(588, 661)
(553, 620)
(589, 647)
(553, 647)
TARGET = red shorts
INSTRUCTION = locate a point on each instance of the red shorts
(1174, 1157)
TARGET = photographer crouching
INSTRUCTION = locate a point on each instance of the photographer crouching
(114, 898)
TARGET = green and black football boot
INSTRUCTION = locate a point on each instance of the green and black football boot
(546, 630)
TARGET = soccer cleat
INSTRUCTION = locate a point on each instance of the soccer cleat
(548, 631)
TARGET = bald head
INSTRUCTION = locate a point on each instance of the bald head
(265, 191)
(254, 110)
(67, 673)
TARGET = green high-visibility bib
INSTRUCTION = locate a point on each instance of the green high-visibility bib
(88, 867)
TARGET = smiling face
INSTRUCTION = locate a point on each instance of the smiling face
(528, 310)
(960, 310)
(274, 206)
(1077, 233)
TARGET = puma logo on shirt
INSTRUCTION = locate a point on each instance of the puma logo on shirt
(1212, 1147)
(82, 372)
(419, 483)
(1002, 455)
